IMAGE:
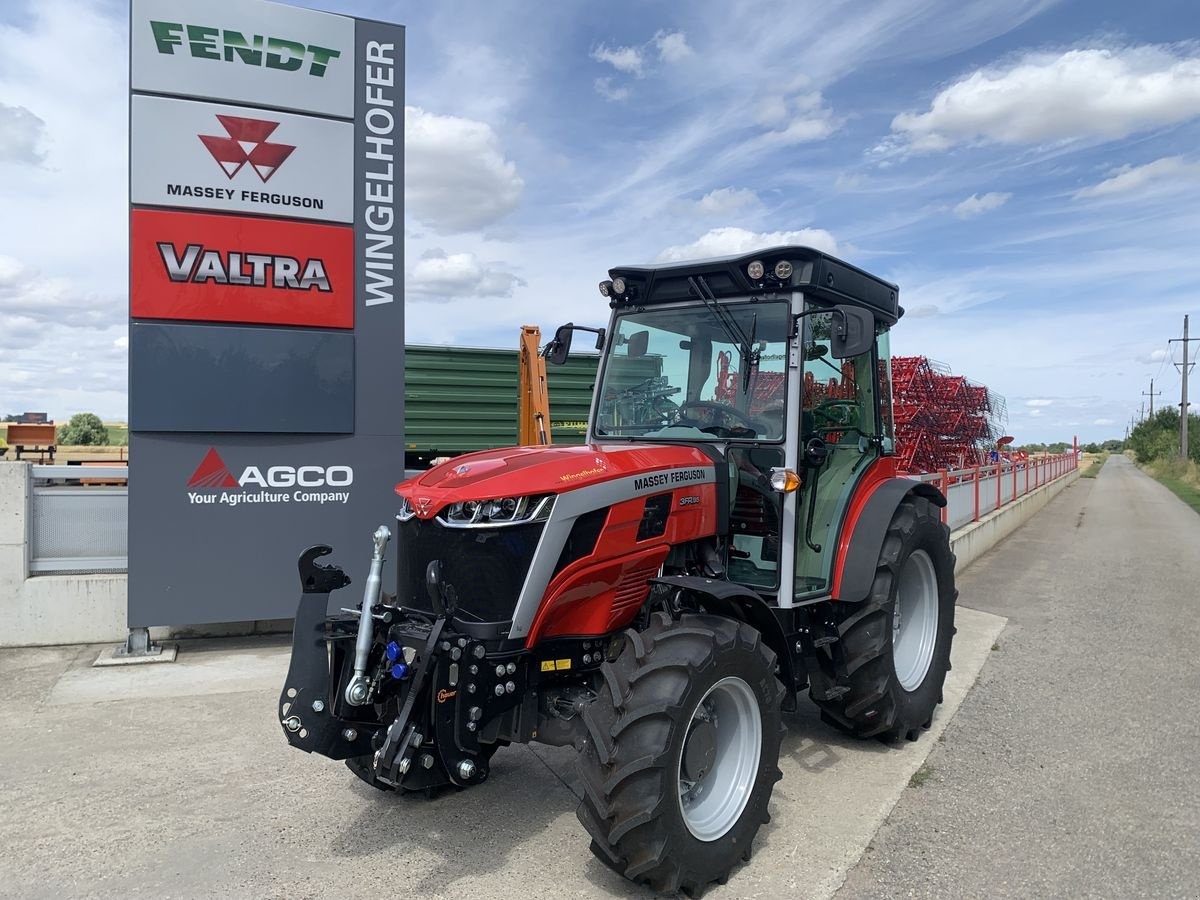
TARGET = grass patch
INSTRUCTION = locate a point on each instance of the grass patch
(118, 435)
(1093, 463)
(1181, 478)
(920, 776)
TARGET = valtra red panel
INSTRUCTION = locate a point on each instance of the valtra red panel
(214, 268)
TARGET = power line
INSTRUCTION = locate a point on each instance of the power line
(1184, 368)
(1152, 394)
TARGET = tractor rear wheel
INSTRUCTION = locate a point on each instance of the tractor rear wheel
(682, 751)
(896, 643)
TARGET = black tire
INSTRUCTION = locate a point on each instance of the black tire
(637, 727)
(866, 699)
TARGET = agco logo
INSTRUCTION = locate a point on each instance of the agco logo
(213, 482)
(217, 44)
(246, 143)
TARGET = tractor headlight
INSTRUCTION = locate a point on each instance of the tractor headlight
(497, 512)
(783, 270)
(755, 270)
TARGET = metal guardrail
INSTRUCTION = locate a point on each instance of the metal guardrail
(973, 492)
(77, 527)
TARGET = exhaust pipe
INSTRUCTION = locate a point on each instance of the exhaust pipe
(359, 688)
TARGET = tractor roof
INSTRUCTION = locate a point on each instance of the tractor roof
(815, 273)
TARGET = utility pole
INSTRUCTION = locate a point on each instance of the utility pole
(1152, 394)
(1142, 417)
(1185, 367)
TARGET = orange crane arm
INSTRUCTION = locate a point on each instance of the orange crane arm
(533, 400)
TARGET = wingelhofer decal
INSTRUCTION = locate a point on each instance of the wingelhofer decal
(214, 483)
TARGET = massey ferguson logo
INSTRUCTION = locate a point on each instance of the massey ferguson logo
(198, 264)
(213, 482)
(245, 143)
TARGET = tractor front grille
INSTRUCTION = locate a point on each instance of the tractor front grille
(486, 566)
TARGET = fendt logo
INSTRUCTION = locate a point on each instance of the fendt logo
(246, 143)
(217, 44)
(213, 483)
(200, 265)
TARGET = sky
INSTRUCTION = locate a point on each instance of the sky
(1026, 171)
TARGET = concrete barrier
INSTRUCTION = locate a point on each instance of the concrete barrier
(86, 609)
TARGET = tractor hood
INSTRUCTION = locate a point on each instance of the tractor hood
(522, 471)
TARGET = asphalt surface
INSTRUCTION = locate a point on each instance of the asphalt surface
(1072, 769)
(174, 780)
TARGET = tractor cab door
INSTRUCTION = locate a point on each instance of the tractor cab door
(840, 406)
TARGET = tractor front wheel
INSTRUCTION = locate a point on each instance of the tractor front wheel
(896, 643)
(682, 751)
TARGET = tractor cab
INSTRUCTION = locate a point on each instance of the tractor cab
(776, 364)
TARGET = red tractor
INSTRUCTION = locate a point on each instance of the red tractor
(734, 532)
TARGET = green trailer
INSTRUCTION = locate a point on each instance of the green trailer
(459, 399)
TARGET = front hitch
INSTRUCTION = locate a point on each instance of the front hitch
(305, 705)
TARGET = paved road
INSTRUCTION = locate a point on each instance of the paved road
(1073, 767)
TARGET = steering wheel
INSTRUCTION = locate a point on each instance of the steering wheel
(840, 413)
(719, 409)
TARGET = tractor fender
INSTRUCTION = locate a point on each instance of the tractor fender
(865, 530)
(735, 601)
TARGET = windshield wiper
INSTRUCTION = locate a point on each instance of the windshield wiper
(747, 347)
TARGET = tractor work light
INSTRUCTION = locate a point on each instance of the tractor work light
(785, 481)
(618, 285)
(783, 270)
(755, 270)
(606, 288)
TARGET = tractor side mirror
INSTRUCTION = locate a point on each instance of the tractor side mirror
(638, 343)
(560, 347)
(853, 332)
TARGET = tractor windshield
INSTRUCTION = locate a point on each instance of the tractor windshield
(682, 372)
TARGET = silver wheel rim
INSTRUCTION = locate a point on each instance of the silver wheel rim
(915, 620)
(713, 802)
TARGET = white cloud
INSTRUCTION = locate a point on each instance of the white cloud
(1103, 421)
(1093, 92)
(606, 89)
(624, 59)
(456, 177)
(977, 205)
(1154, 356)
(22, 135)
(1039, 402)
(449, 276)
(726, 201)
(797, 119)
(27, 295)
(730, 241)
(1172, 169)
(672, 46)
